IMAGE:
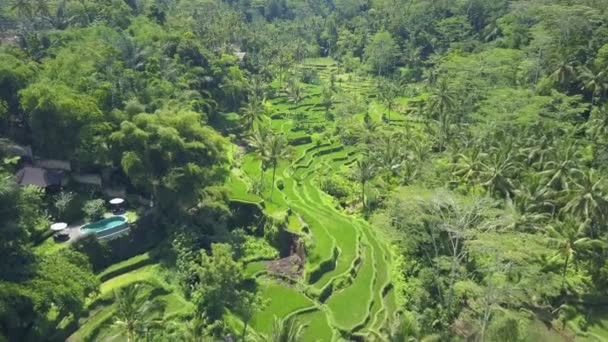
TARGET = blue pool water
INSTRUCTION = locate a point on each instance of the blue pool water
(106, 226)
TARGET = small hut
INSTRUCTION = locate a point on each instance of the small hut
(47, 179)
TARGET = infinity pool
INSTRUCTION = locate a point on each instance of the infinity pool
(106, 227)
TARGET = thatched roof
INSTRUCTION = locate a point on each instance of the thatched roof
(39, 177)
(54, 164)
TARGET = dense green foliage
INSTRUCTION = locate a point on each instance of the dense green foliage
(427, 169)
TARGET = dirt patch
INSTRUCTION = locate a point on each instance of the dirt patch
(291, 266)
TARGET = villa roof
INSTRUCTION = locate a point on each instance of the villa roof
(39, 177)
(90, 179)
(54, 164)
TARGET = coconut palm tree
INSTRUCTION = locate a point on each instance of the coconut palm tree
(499, 173)
(363, 172)
(327, 99)
(404, 328)
(388, 92)
(259, 140)
(568, 237)
(287, 330)
(257, 88)
(442, 99)
(594, 82)
(597, 125)
(294, 90)
(564, 73)
(469, 165)
(252, 114)
(558, 172)
(278, 149)
(537, 149)
(135, 313)
(441, 104)
(587, 198)
(390, 155)
(23, 8)
(192, 330)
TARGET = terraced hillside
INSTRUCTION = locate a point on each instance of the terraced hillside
(346, 290)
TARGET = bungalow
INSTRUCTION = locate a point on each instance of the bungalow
(52, 164)
(47, 179)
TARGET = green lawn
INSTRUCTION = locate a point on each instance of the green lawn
(138, 259)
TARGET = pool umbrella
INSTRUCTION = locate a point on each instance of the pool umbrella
(117, 201)
(57, 227)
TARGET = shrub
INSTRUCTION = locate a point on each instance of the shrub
(94, 209)
(310, 76)
(336, 186)
(62, 203)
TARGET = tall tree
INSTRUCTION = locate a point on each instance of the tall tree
(587, 198)
(278, 150)
(252, 114)
(135, 312)
(287, 330)
(327, 99)
(388, 91)
(595, 82)
(441, 104)
(381, 53)
(364, 171)
(259, 140)
(568, 237)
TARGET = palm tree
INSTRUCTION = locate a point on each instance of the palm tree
(443, 99)
(598, 124)
(363, 172)
(558, 172)
(22, 7)
(388, 92)
(252, 114)
(277, 151)
(469, 164)
(294, 90)
(534, 197)
(327, 99)
(192, 330)
(287, 330)
(587, 198)
(441, 104)
(404, 328)
(537, 149)
(259, 141)
(568, 237)
(283, 62)
(564, 73)
(60, 20)
(594, 82)
(499, 173)
(257, 88)
(390, 155)
(135, 313)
